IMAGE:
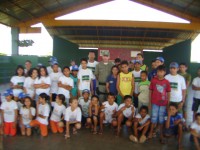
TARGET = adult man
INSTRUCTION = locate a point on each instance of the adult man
(28, 65)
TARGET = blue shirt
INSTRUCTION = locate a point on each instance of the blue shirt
(152, 74)
(173, 119)
(112, 84)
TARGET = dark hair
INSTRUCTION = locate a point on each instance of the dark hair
(30, 72)
(28, 61)
(91, 52)
(61, 97)
(44, 96)
(19, 67)
(124, 62)
(197, 115)
(117, 60)
(183, 64)
(173, 105)
(140, 54)
(95, 96)
(153, 61)
(30, 99)
(66, 67)
(145, 108)
(45, 69)
(111, 94)
(127, 97)
(161, 68)
(83, 59)
(115, 66)
(72, 99)
(144, 72)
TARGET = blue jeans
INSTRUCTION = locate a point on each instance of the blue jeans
(158, 114)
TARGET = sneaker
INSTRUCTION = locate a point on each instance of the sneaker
(133, 138)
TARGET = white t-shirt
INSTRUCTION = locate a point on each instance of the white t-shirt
(43, 110)
(24, 112)
(75, 115)
(137, 80)
(19, 105)
(16, 80)
(84, 106)
(196, 82)
(29, 85)
(128, 111)
(144, 120)
(58, 110)
(50, 70)
(177, 84)
(85, 76)
(109, 111)
(66, 81)
(54, 81)
(9, 110)
(196, 127)
(45, 80)
(91, 66)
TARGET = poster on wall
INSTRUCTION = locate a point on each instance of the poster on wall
(103, 51)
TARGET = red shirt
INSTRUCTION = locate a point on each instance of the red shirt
(159, 89)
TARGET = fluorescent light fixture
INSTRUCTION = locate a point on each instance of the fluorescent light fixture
(88, 48)
(122, 10)
(153, 50)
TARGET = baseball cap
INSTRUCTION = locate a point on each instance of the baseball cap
(137, 61)
(106, 53)
(86, 91)
(51, 59)
(75, 68)
(22, 95)
(174, 65)
(54, 62)
(160, 59)
(8, 92)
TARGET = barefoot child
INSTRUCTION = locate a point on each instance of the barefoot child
(141, 125)
(27, 112)
(73, 117)
(108, 111)
(56, 116)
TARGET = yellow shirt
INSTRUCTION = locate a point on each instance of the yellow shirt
(125, 83)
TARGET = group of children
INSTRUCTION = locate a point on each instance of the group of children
(144, 102)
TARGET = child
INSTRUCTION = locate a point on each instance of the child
(9, 114)
(111, 81)
(58, 110)
(159, 98)
(143, 89)
(125, 113)
(136, 73)
(140, 57)
(17, 81)
(73, 116)
(196, 88)
(50, 68)
(84, 103)
(195, 130)
(73, 63)
(108, 111)
(54, 76)
(125, 82)
(27, 112)
(93, 113)
(65, 84)
(141, 124)
(42, 114)
(73, 75)
(173, 124)
(178, 86)
(85, 77)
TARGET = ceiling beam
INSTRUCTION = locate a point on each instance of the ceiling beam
(116, 23)
(166, 9)
(9, 15)
(30, 30)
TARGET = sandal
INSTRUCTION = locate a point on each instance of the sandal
(143, 138)
(133, 138)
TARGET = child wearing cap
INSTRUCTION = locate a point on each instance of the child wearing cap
(17, 81)
(73, 63)
(65, 84)
(196, 88)
(9, 114)
(136, 73)
(140, 57)
(73, 75)
(84, 102)
(85, 77)
(50, 68)
(20, 101)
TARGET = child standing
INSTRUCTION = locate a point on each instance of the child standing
(17, 81)
(58, 111)
(9, 114)
(141, 125)
(42, 114)
(143, 89)
(111, 81)
(73, 117)
(108, 111)
(125, 82)
(159, 98)
(27, 112)
(65, 84)
(73, 75)
(196, 88)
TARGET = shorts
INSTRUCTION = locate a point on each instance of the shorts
(26, 126)
(108, 119)
(171, 131)
(124, 120)
(158, 114)
(84, 120)
(196, 104)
